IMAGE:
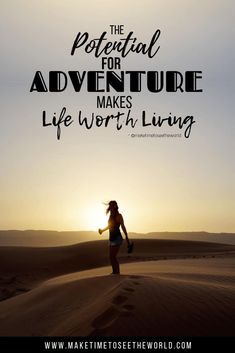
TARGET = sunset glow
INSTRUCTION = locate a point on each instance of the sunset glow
(95, 217)
(160, 184)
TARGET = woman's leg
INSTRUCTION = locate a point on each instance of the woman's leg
(113, 250)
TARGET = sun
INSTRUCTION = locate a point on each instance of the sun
(95, 217)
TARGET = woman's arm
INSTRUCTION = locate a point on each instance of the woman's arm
(103, 230)
(124, 228)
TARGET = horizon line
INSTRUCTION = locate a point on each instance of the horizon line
(93, 231)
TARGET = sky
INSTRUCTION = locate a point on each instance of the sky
(161, 184)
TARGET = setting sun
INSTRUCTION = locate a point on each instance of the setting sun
(95, 217)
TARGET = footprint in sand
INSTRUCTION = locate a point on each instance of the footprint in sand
(119, 299)
(135, 282)
(128, 289)
(106, 318)
(128, 310)
(116, 310)
(109, 316)
(129, 307)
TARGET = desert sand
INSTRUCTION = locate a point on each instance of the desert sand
(169, 288)
(46, 238)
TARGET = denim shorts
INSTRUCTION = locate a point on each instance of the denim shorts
(116, 242)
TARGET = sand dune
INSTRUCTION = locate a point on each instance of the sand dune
(171, 297)
(36, 238)
(166, 288)
(23, 268)
(46, 238)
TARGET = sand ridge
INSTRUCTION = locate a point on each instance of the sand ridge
(22, 268)
(172, 297)
(153, 301)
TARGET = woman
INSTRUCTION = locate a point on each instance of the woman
(115, 237)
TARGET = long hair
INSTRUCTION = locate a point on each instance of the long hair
(112, 208)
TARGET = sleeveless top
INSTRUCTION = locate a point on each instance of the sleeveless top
(114, 231)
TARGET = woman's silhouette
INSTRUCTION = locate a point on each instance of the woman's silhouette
(115, 237)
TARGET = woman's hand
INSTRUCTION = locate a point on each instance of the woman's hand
(130, 247)
(103, 230)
